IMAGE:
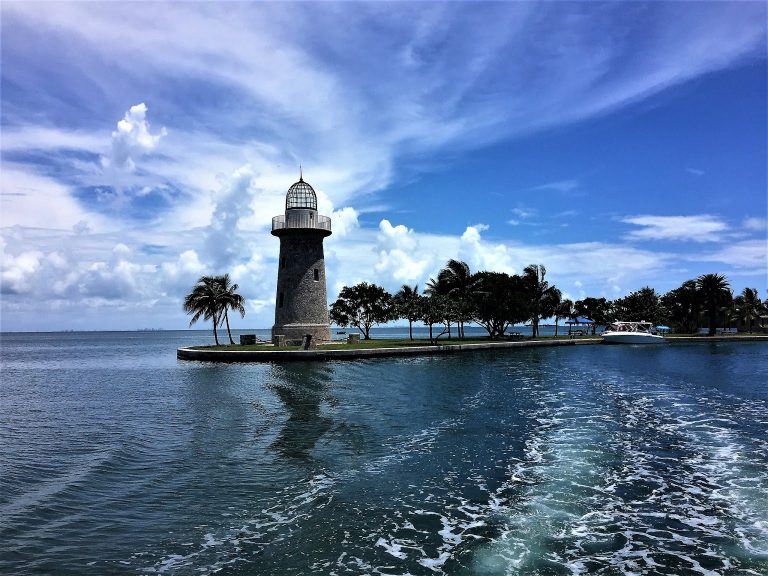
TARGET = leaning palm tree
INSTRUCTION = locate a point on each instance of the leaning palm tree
(715, 292)
(230, 300)
(461, 284)
(205, 302)
(542, 297)
(564, 309)
(439, 287)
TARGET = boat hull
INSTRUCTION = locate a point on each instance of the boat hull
(632, 338)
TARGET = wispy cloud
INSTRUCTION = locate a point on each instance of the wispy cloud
(755, 224)
(349, 117)
(256, 85)
(695, 171)
(521, 216)
(558, 186)
(748, 255)
(700, 228)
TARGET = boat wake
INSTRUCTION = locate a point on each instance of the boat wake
(643, 480)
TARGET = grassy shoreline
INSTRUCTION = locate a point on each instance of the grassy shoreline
(373, 344)
(382, 343)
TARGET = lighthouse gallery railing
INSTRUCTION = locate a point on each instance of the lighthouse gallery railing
(301, 221)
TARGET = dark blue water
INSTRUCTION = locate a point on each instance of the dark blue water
(115, 458)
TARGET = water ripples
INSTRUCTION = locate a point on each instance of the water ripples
(541, 462)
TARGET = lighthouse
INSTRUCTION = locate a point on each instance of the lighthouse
(301, 305)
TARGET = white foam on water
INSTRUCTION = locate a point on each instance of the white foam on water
(708, 495)
(617, 482)
(391, 547)
(560, 480)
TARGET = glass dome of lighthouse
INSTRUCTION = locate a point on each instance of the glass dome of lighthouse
(301, 195)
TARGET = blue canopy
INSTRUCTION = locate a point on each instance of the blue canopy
(580, 320)
(662, 328)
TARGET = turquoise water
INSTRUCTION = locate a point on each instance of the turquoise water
(116, 458)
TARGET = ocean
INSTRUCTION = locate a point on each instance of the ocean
(117, 458)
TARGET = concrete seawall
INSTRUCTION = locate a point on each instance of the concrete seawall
(273, 355)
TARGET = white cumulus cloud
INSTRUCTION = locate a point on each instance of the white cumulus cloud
(132, 139)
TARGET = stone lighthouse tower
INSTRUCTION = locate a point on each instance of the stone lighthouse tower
(301, 306)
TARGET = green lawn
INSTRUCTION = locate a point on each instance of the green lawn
(377, 343)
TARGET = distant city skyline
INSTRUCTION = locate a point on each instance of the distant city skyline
(143, 145)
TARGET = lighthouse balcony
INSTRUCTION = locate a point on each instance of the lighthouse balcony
(301, 219)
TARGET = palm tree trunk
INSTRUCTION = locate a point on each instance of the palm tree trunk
(556, 321)
(229, 332)
(712, 321)
(215, 334)
(410, 328)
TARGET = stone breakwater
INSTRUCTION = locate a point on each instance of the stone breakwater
(276, 355)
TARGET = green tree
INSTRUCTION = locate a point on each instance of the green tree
(408, 303)
(597, 309)
(437, 309)
(362, 306)
(714, 292)
(748, 306)
(440, 287)
(643, 304)
(205, 302)
(542, 298)
(459, 283)
(436, 287)
(229, 299)
(564, 309)
(683, 306)
(499, 302)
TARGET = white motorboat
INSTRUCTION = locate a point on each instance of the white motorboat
(632, 333)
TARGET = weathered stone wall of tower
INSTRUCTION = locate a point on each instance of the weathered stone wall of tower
(301, 305)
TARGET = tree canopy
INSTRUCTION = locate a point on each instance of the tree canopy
(499, 302)
(715, 292)
(363, 306)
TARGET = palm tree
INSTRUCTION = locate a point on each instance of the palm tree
(408, 302)
(461, 284)
(564, 309)
(205, 301)
(748, 306)
(440, 287)
(230, 300)
(436, 287)
(715, 292)
(541, 296)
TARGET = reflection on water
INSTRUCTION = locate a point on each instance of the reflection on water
(544, 461)
(302, 388)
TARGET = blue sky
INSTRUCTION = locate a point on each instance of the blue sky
(621, 145)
